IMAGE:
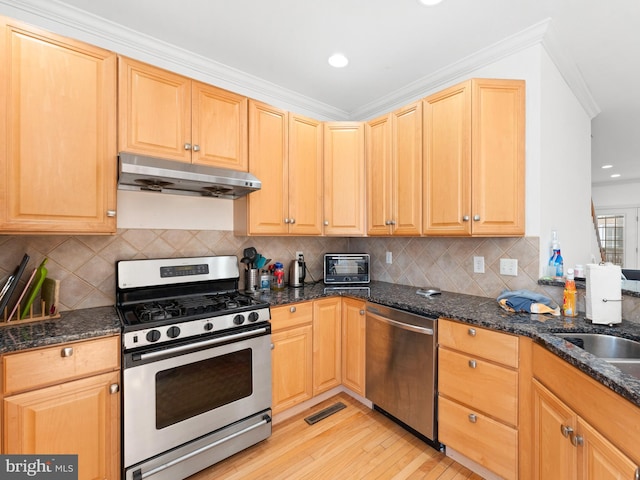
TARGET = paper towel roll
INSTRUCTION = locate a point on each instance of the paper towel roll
(604, 293)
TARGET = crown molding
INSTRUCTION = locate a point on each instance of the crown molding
(70, 21)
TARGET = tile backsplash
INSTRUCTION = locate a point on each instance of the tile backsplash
(85, 265)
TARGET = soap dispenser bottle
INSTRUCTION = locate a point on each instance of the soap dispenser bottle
(555, 262)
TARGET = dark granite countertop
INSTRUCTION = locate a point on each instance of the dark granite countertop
(71, 326)
(481, 311)
(486, 312)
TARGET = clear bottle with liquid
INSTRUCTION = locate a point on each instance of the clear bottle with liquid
(555, 262)
(277, 282)
(570, 293)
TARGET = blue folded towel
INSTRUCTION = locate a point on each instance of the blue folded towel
(522, 301)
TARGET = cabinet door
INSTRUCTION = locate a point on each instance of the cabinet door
(344, 180)
(154, 111)
(447, 162)
(327, 344)
(599, 459)
(291, 364)
(379, 176)
(353, 345)
(497, 154)
(80, 417)
(554, 457)
(269, 161)
(58, 167)
(219, 127)
(407, 170)
(305, 176)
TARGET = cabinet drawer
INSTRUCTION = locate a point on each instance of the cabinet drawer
(495, 346)
(473, 381)
(485, 441)
(50, 365)
(291, 316)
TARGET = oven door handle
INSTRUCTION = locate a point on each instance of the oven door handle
(139, 474)
(196, 346)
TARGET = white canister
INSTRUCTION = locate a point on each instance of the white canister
(578, 271)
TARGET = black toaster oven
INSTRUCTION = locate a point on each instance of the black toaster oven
(346, 268)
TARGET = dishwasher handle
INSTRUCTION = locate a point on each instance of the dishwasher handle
(402, 325)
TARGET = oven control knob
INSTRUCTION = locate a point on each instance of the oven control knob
(153, 335)
(173, 332)
(253, 316)
(208, 326)
(238, 319)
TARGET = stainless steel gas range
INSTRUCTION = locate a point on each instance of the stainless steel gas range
(196, 365)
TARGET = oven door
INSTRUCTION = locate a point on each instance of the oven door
(176, 394)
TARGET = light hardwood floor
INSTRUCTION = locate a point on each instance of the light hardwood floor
(354, 443)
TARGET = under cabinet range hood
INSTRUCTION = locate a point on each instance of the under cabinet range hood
(150, 174)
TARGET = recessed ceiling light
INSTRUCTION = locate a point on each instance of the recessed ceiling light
(607, 166)
(615, 175)
(338, 60)
(429, 3)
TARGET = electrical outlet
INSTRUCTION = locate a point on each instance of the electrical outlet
(298, 254)
(389, 257)
(509, 266)
(478, 264)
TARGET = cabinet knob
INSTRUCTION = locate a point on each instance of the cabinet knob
(292, 309)
(326, 223)
(392, 222)
(196, 148)
(472, 332)
(465, 218)
(637, 475)
(273, 346)
(387, 222)
(114, 388)
(473, 418)
(292, 221)
(187, 146)
(286, 220)
(566, 430)
(111, 213)
(66, 352)
(577, 440)
(361, 312)
(472, 364)
(476, 218)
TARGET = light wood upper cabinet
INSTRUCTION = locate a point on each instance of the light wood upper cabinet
(166, 115)
(58, 132)
(286, 155)
(474, 170)
(344, 178)
(394, 172)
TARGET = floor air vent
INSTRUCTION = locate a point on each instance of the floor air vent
(324, 413)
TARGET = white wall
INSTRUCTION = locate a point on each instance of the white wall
(565, 189)
(616, 195)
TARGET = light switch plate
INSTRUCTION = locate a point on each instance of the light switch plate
(478, 264)
(509, 266)
(389, 257)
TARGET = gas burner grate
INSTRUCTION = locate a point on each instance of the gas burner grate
(149, 312)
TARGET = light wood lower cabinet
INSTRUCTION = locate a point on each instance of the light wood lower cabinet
(353, 345)
(478, 391)
(327, 341)
(65, 400)
(581, 430)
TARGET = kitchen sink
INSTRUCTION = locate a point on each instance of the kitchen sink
(632, 367)
(607, 347)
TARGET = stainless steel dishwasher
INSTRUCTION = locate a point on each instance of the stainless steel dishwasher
(401, 368)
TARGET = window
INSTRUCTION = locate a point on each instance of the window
(619, 231)
(611, 233)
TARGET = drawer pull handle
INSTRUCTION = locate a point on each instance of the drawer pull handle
(66, 352)
(472, 364)
(292, 309)
(566, 430)
(473, 418)
(637, 475)
(577, 440)
(114, 388)
(472, 332)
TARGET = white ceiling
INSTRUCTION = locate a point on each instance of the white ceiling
(392, 43)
